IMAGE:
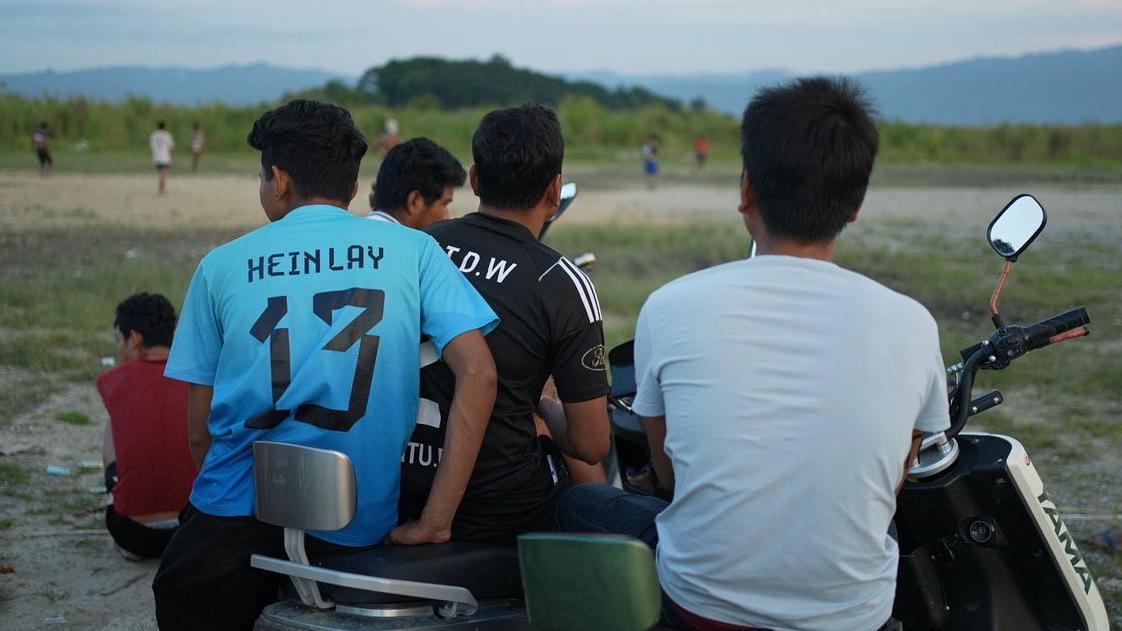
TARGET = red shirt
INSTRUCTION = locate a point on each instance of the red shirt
(148, 417)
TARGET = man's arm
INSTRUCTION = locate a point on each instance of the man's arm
(198, 412)
(580, 429)
(917, 438)
(656, 440)
(108, 452)
(476, 380)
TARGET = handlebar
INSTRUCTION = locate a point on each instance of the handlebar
(1005, 345)
(1044, 332)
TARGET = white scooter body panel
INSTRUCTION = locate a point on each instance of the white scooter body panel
(1054, 532)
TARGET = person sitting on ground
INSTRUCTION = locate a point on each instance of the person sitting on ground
(148, 469)
(306, 331)
(415, 184)
(550, 325)
(782, 395)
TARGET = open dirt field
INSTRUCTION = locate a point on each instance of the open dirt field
(28, 201)
(58, 568)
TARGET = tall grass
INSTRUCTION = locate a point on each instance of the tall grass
(592, 131)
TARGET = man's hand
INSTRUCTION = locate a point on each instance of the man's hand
(415, 533)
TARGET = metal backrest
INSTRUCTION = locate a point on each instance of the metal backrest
(576, 581)
(303, 487)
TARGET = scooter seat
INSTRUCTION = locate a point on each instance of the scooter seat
(486, 570)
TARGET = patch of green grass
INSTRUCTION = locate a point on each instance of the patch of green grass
(12, 477)
(73, 417)
(6, 523)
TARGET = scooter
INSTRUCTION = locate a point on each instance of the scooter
(982, 546)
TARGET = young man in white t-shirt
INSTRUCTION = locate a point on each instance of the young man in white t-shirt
(161, 143)
(415, 184)
(782, 395)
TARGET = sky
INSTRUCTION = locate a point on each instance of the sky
(624, 36)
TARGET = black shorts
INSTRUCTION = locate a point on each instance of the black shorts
(44, 157)
(205, 581)
(132, 536)
(160, 166)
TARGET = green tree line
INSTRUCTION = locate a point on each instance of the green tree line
(592, 130)
(436, 83)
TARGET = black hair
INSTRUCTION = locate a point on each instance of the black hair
(416, 165)
(518, 152)
(808, 148)
(151, 315)
(315, 143)
(159, 124)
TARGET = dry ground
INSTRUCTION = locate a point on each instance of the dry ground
(64, 572)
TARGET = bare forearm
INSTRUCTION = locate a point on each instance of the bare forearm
(553, 414)
(198, 413)
(467, 422)
(917, 438)
(656, 440)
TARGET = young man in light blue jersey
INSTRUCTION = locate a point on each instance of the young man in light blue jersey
(306, 331)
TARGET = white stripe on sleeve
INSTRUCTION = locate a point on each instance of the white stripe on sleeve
(584, 297)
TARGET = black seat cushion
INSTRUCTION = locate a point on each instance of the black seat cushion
(487, 570)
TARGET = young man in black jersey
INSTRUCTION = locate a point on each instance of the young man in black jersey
(550, 326)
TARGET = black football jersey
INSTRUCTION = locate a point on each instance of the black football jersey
(550, 324)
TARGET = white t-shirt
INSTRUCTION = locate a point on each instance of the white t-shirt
(790, 388)
(161, 144)
(381, 215)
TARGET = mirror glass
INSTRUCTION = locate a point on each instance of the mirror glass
(1015, 227)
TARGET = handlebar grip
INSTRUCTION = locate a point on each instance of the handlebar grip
(1041, 333)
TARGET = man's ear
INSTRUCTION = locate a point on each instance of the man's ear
(552, 195)
(414, 203)
(283, 182)
(135, 341)
(857, 213)
(473, 177)
(747, 194)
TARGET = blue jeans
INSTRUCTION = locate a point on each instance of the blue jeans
(604, 509)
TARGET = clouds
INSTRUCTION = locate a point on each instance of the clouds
(633, 36)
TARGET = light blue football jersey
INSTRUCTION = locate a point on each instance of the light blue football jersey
(308, 329)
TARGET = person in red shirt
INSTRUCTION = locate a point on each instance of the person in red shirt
(148, 467)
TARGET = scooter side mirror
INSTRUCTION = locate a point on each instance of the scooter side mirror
(1016, 226)
(568, 194)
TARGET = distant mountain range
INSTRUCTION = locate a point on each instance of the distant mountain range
(234, 84)
(1062, 87)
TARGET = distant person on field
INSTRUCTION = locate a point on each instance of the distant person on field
(701, 151)
(198, 139)
(39, 138)
(390, 139)
(650, 161)
(162, 145)
(148, 468)
(415, 184)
